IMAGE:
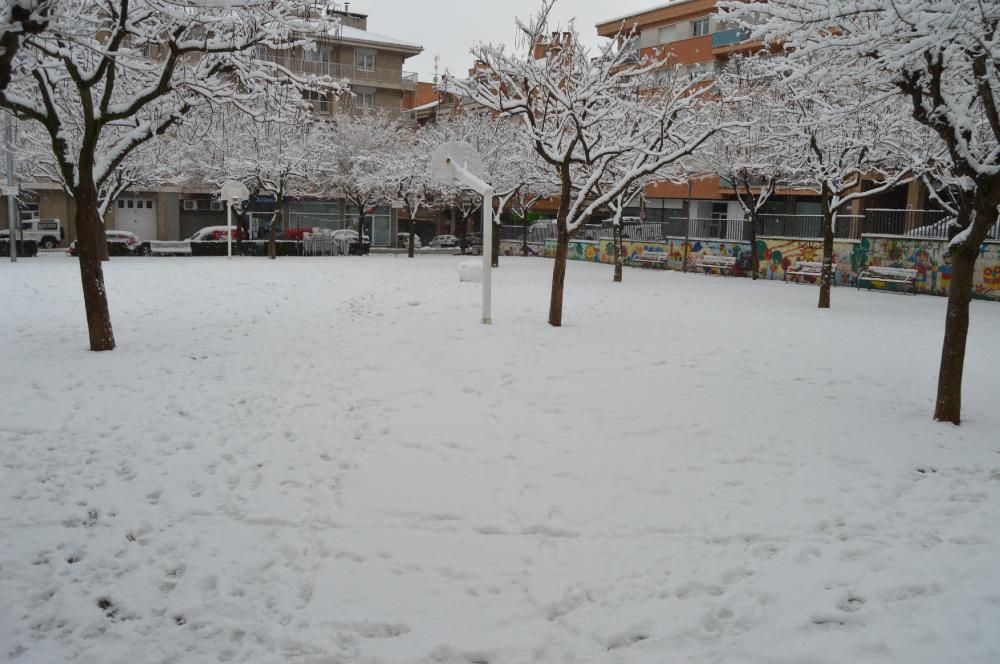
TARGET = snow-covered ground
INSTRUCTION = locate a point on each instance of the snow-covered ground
(331, 460)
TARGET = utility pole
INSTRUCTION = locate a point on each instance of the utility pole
(11, 189)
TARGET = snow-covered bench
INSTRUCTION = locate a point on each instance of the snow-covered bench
(891, 275)
(720, 263)
(169, 248)
(652, 259)
(808, 269)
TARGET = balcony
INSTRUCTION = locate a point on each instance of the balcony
(729, 37)
(393, 78)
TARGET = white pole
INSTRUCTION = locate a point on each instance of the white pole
(487, 255)
(229, 229)
(12, 221)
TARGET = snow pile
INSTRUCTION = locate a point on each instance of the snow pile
(287, 461)
(470, 270)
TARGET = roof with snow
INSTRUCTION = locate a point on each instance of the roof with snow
(426, 107)
(363, 36)
(662, 5)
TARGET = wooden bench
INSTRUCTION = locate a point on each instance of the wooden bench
(720, 263)
(809, 269)
(652, 259)
(890, 275)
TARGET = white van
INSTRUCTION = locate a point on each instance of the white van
(46, 232)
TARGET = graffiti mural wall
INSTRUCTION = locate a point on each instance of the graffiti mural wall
(777, 255)
(579, 250)
(931, 261)
(928, 257)
(674, 249)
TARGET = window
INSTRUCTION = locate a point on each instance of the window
(130, 204)
(121, 204)
(47, 226)
(668, 34)
(364, 98)
(365, 59)
(149, 204)
(699, 27)
(318, 54)
(319, 101)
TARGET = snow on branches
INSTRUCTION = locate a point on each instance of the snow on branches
(584, 112)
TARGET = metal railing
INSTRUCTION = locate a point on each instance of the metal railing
(924, 223)
(729, 37)
(931, 224)
(351, 72)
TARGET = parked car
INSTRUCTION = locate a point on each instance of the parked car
(125, 244)
(443, 241)
(46, 232)
(473, 243)
(403, 241)
(217, 234)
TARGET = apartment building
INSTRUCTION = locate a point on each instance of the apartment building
(693, 37)
(371, 63)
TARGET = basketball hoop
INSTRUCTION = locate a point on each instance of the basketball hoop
(234, 193)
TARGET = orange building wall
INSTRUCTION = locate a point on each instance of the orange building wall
(663, 16)
(684, 51)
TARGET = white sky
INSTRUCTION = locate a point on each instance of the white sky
(449, 29)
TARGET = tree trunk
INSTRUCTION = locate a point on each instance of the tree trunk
(413, 233)
(826, 276)
(495, 241)
(90, 244)
(524, 241)
(272, 236)
(559, 277)
(754, 257)
(619, 258)
(948, 407)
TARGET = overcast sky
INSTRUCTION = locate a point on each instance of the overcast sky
(449, 28)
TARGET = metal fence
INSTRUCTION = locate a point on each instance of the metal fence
(931, 224)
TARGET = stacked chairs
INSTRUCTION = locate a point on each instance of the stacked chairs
(325, 242)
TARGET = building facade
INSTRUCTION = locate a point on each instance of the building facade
(692, 37)
(373, 66)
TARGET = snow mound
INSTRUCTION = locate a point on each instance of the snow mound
(471, 270)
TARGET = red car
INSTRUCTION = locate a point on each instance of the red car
(217, 234)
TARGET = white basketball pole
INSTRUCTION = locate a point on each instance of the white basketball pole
(480, 187)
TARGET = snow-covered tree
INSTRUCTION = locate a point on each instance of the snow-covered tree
(539, 184)
(17, 19)
(617, 206)
(411, 179)
(104, 78)
(358, 155)
(584, 110)
(509, 159)
(274, 151)
(754, 158)
(943, 58)
(848, 141)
